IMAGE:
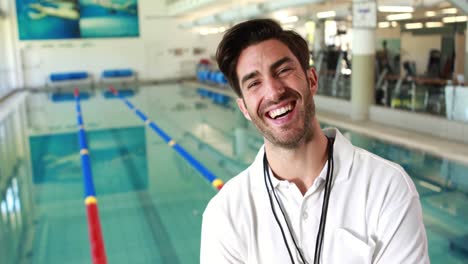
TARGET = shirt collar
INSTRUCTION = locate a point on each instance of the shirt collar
(343, 154)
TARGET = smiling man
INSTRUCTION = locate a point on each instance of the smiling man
(310, 196)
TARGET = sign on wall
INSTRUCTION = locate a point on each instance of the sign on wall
(68, 19)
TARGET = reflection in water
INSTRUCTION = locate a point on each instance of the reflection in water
(16, 207)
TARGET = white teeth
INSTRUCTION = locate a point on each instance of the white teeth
(274, 113)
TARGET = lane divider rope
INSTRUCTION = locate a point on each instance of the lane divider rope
(207, 174)
(98, 252)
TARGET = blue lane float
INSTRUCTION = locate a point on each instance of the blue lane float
(217, 98)
(207, 174)
(84, 151)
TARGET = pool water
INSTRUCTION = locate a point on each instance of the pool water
(150, 199)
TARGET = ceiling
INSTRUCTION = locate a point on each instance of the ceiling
(196, 13)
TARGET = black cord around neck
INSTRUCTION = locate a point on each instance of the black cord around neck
(328, 184)
(267, 174)
(326, 199)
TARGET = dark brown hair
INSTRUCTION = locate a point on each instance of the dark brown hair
(252, 32)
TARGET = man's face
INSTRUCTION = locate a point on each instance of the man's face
(277, 94)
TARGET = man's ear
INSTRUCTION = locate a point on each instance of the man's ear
(243, 108)
(313, 81)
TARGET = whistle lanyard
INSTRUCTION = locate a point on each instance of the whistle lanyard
(323, 218)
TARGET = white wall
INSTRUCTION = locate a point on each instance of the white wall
(39, 62)
(151, 55)
(416, 48)
(161, 37)
(386, 33)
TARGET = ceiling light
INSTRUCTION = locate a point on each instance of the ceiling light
(385, 24)
(207, 31)
(413, 25)
(449, 11)
(399, 16)
(288, 26)
(430, 13)
(326, 14)
(289, 19)
(280, 15)
(394, 23)
(433, 24)
(395, 9)
(454, 19)
(283, 4)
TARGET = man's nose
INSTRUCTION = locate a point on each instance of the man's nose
(275, 89)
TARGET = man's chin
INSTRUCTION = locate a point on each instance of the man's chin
(286, 142)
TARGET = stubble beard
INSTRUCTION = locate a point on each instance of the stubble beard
(294, 139)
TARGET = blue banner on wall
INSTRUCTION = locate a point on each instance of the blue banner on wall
(68, 19)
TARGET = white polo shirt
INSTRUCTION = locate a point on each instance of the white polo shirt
(374, 215)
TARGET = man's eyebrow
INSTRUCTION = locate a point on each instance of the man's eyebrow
(280, 62)
(249, 76)
(272, 68)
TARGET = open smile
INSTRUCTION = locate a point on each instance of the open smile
(282, 113)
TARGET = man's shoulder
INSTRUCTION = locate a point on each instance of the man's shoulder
(377, 161)
(383, 172)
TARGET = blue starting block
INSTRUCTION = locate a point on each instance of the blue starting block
(124, 93)
(65, 96)
(68, 76)
(117, 73)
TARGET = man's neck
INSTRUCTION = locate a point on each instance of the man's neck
(300, 165)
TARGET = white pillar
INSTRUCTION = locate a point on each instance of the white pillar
(362, 78)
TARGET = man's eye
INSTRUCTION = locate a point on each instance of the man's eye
(252, 84)
(284, 70)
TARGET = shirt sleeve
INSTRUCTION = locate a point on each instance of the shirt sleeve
(401, 234)
(219, 242)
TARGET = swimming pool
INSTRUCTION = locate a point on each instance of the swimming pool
(150, 199)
